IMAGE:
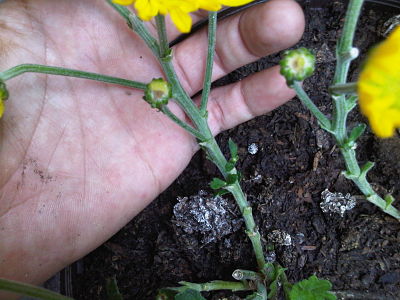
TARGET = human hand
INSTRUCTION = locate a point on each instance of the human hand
(80, 158)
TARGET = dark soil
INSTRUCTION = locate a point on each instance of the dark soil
(296, 161)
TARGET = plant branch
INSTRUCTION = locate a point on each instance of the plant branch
(181, 123)
(214, 286)
(343, 89)
(307, 102)
(212, 29)
(20, 69)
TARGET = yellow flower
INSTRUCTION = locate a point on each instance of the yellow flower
(179, 10)
(379, 86)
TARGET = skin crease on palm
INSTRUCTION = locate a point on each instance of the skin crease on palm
(78, 158)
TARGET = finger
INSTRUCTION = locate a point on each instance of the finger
(259, 31)
(257, 94)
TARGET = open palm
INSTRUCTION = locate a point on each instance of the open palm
(80, 158)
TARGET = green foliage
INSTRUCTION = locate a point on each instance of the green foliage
(189, 295)
(217, 184)
(312, 288)
(389, 199)
(230, 165)
(356, 132)
(275, 273)
(112, 289)
(233, 148)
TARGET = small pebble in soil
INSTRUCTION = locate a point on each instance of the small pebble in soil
(252, 148)
(336, 202)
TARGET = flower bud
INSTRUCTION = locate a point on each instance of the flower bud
(157, 93)
(297, 65)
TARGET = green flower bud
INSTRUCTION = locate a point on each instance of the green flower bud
(297, 65)
(157, 93)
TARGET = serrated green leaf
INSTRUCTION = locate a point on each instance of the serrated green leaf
(217, 183)
(112, 289)
(312, 288)
(189, 295)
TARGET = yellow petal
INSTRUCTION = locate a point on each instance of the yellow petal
(123, 2)
(182, 20)
(234, 2)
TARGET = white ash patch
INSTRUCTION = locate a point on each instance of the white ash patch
(206, 217)
(336, 202)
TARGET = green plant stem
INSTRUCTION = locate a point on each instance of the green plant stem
(211, 147)
(138, 26)
(360, 180)
(165, 51)
(182, 124)
(215, 285)
(344, 58)
(30, 290)
(343, 88)
(342, 109)
(307, 102)
(25, 68)
(212, 38)
(345, 43)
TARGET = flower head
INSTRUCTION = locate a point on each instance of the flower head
(178, 10)
(379, 86)
(297, 65)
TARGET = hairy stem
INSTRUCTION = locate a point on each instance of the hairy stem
(25, 68)
(307, 102)
(212, 38)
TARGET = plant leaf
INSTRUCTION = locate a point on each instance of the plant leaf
(312, 288)
(217, 183)
(232, 178)
(229, 166)
(233, 148)
(356, 132)
(189, 295)
(112, 289)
